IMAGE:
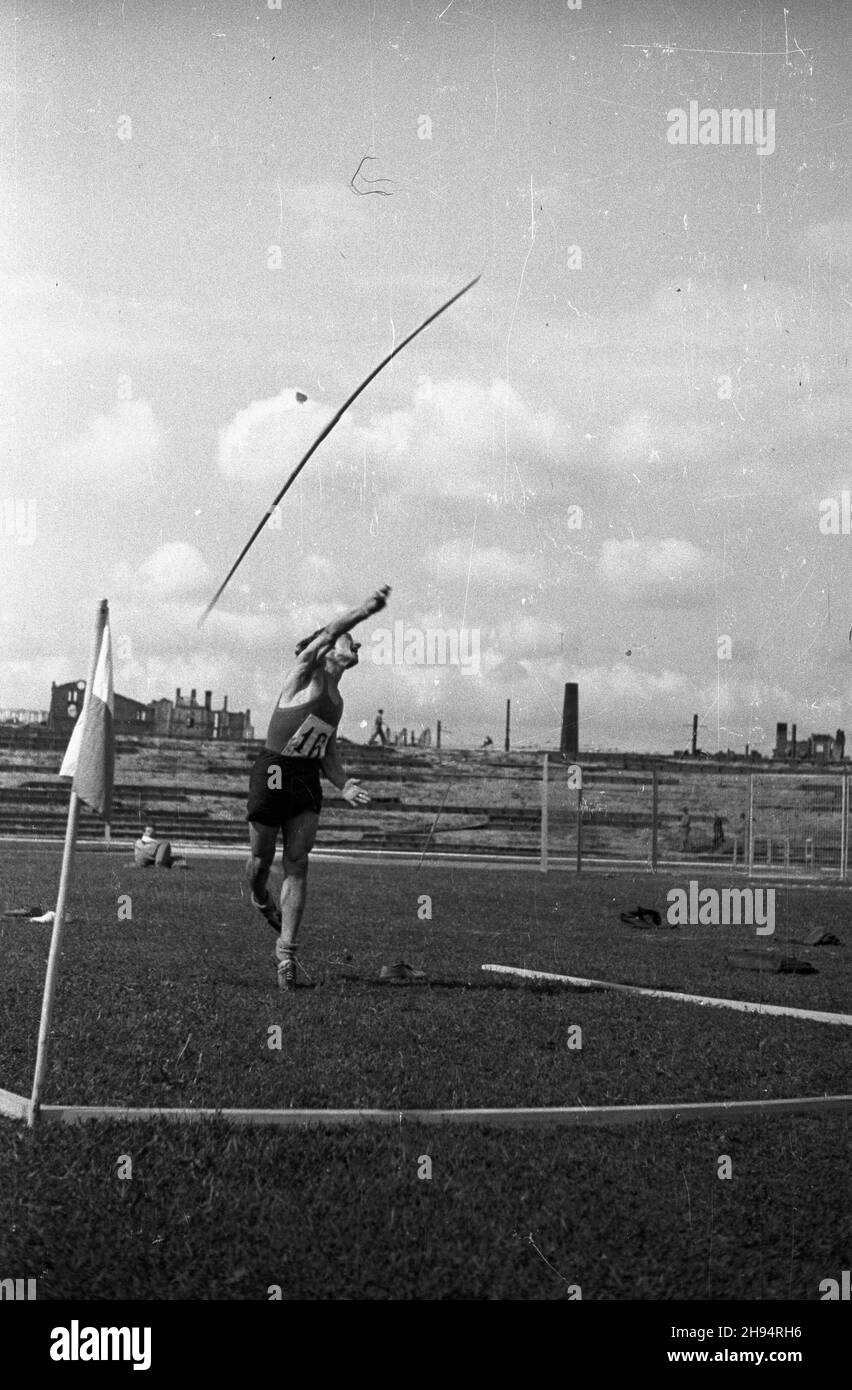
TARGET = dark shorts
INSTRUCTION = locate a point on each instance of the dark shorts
(281, 788)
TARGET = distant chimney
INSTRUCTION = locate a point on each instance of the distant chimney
(177, 696)
(793, 741)
(192, 696)
(225, 703)
(208, 696)
(780, 740)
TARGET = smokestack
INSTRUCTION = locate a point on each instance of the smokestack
(570, 742)
(192, 697)
(208, 696)
(695, 735)
(780, 740)
(177, 696)
(793, 741)
(508, 724)
(225, 703)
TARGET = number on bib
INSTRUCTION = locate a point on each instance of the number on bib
(309, 740)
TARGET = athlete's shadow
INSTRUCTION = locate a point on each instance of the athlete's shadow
(525, 986)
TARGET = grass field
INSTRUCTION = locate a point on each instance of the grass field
(174, 1007)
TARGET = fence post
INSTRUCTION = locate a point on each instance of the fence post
(655, 803)
(544, 797)
(844, 828)
(750, 832)
(580, 825)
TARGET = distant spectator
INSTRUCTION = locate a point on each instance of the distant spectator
(718, 831)
(685, 826)
(149, 852)
(378, 735)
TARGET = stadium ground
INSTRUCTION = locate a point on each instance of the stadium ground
(675, 870)
(174, 1007)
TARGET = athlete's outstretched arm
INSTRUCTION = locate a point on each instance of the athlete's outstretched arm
(310, 653)
(336, 773)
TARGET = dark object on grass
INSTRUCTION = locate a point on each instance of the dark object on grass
(818, 937)
(770, 964)
(642, 917)
(401, 974)
(149, 852)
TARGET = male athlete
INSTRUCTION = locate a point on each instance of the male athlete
(284, 790)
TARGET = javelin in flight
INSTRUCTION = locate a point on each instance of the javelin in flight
(320, 437)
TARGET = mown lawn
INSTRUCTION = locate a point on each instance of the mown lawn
(174, 1007)
(632, 1213)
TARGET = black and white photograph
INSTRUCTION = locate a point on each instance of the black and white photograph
(425, 662)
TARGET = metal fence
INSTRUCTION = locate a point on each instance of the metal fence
(787, 824)
(799, 825)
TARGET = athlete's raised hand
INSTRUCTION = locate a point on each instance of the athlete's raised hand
(377, 601)
(354, 794)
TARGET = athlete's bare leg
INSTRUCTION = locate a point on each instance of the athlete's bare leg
(264, 839)
(299, 836)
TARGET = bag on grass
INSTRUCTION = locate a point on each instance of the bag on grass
(770, 964)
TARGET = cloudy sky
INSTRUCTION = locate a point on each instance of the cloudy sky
(615, 453)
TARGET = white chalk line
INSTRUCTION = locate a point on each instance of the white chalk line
(743, 1005)
(538, 1116)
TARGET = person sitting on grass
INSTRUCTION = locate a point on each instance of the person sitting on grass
(149, 852)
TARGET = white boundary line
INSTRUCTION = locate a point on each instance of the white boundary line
(13, 1106)
(814, 1015)
(533, 1116)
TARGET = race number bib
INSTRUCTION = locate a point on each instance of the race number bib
(309, 740)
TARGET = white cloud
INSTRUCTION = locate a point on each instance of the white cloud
(174, 568)
(656, 571)
(486, 566)
(617, 687)
(456, 437)
(48, 322)
(527, 636)
(467, 438)
(645, 439)
(117, 448)
(268, 437)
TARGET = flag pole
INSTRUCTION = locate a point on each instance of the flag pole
(64, 883)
